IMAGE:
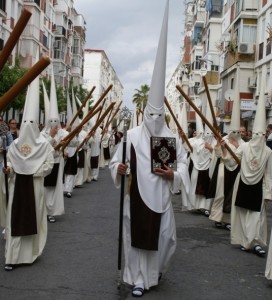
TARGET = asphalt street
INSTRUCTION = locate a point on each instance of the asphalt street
(80, 258)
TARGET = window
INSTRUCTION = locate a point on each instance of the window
(232, 83)
(3, 5)
(261, 46)
(249, 34)
(214, 68)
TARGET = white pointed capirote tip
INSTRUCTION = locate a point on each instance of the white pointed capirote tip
(74, 109)
(209, 117)
(235, 115)
(260, 117)
(53, 110)
(157, 87)
(69, 113)
(199, 125)
(32, 103)
(183, 120)
(46, 104)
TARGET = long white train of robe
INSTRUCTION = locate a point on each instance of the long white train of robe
(3, 203)
(142, 266)
(268, 267)
(26, 249)
(249, 228)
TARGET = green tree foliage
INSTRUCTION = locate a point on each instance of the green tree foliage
(141, 96)
(8, 77)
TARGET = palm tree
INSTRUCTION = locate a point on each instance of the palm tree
(141, 96)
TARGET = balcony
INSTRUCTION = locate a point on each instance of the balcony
(232, 57)
(213, 77)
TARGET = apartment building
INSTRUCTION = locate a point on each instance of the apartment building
(230, 42)
(55, 29)
(99, 72)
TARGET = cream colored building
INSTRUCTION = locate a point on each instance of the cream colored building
(99, 72)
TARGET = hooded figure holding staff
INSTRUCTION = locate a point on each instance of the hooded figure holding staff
(149, 232)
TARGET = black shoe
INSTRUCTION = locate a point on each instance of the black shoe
(8, 267)
(51, 219)
(137, 291)
(68, 195)
(259, 251)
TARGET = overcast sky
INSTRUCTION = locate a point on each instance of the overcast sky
(128, 31)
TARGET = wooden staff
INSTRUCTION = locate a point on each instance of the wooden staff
(90, 114)
(23, 82)
(210, 102)
(101, 98)
(98, 122)
(215, 132)
(102, 107)
(177, 124)
(14, 37)
(82, 105)
(121, 209)
(111, 117)
(66, 140)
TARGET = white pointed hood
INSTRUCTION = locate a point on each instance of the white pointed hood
(53, 109)
(74, 109)
(46, 104)
(154, 113)
(29, 151)
(69, 113)
(259, 125)
(183, 121)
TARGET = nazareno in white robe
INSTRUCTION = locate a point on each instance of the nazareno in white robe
(144, 266)
(54, 194)
(217, 213)
(248, 227)
(26, 249)
(201, 158)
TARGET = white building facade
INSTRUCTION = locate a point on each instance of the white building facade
(99, 72)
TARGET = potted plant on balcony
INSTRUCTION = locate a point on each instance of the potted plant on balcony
(232, 46)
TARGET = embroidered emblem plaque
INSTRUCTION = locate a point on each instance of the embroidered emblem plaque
(163, 152)
(25, 149)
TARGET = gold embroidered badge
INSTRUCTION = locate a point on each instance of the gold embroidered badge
(25, 149)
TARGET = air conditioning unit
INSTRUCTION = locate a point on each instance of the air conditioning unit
(252, 82)
(246, 48)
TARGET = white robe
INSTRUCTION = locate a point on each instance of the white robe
(104, 144)
(217, 213)
(94, 143)
(26, 249)
(142, 266)
(201, 158)
(268, 267)
(249, 228)
(54, 194)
